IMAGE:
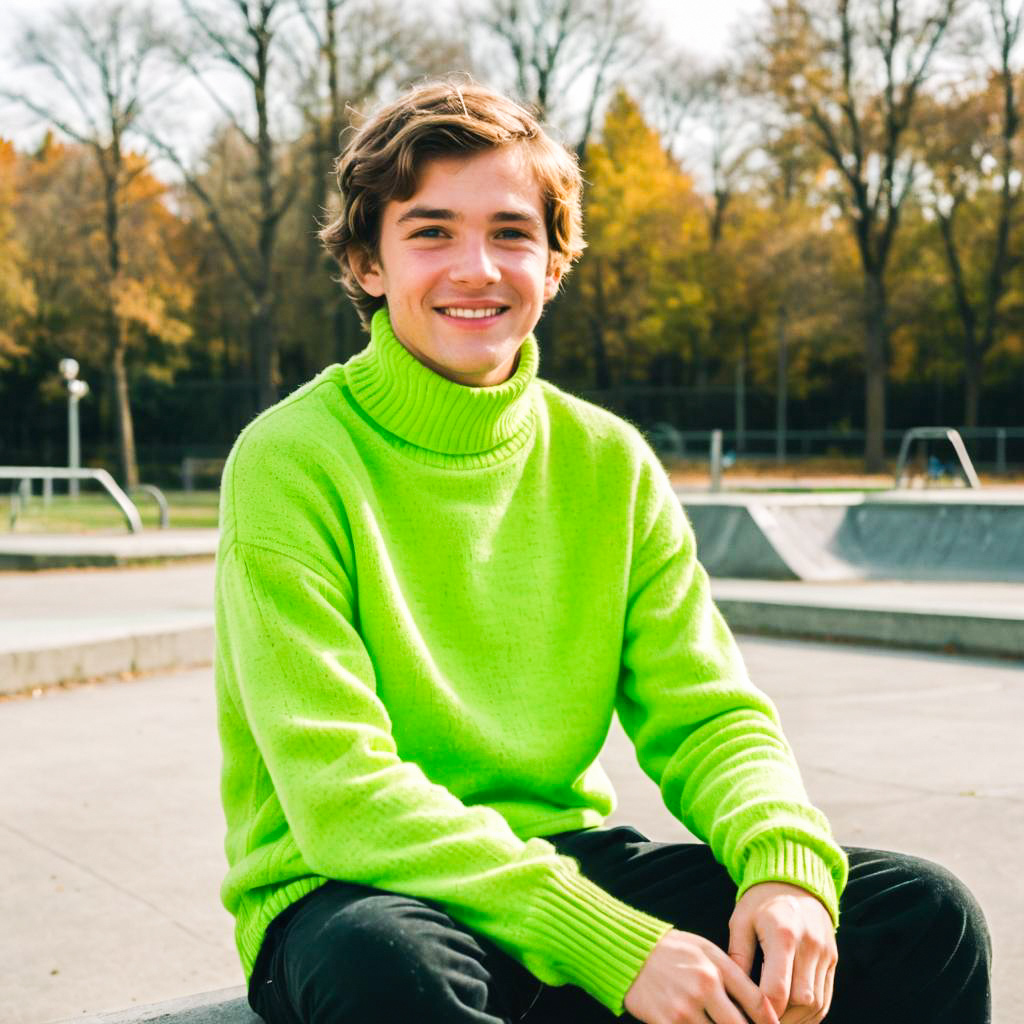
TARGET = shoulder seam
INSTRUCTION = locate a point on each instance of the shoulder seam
(284, 551)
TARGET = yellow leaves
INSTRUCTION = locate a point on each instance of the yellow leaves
(136, 304)
(645, 229)
(56, 197)
(17, 295)
(1009, 347)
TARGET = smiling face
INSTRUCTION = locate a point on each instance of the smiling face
(464, 265)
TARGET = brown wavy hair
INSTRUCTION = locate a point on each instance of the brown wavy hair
(383, 160)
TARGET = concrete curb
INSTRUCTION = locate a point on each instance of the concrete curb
(928, 631)
(36, 562)
(151, 651)
(30, 551)
(225, 1006)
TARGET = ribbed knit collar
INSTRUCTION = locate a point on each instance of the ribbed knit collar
(425, 409)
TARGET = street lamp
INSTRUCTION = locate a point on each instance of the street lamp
(77, 390)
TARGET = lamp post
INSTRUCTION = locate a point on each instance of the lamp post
(77, 390)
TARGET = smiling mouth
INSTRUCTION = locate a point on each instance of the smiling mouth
(463, 313)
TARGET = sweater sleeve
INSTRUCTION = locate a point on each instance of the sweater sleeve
(710, 739)
(302, 682)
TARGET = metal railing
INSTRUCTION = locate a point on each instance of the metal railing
(26, 474)
(996, 449)
(161, 502)
(936, 434)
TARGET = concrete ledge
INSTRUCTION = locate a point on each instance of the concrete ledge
(822, 538)
(226, 1006)
(153, 651)
(81, 551)
(939, 631)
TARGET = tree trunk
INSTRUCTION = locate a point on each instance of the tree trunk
(875, 351)
(781, 381)
(125, 427)
(602, 369)
(349, 337)
(264, 352)
(110, 166)
(263, 335)
(972, 388)
(973, 347)
(740, 397)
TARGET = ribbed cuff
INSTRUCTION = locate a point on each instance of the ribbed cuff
(596, 941)
(781, 860)
(250, 928)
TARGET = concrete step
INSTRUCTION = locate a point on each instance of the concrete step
(78, 551)
(114, 652)
(225, 1006)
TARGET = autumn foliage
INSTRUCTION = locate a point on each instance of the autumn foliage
(748, 264)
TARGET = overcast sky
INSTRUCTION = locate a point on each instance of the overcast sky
(703, 27)
(701, 24)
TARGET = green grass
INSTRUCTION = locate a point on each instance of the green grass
(97, 513)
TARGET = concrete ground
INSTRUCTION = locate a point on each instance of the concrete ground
(110, 826)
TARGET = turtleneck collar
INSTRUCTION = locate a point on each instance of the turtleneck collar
(431, 412)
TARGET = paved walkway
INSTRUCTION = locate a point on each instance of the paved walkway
(110, 827)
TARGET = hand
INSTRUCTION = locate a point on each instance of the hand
(799, 945)
(688, 980)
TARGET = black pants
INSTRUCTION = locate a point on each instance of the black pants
(913, 945)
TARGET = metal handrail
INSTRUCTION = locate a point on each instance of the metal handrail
(161, 502)
(101, 476)
(932, 434)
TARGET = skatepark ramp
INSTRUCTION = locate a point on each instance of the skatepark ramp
(895, 535)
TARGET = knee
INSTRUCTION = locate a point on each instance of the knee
(957, 919)
(923, 900)
(390, 958)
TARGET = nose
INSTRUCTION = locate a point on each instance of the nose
(474, 265)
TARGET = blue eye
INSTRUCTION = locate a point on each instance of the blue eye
(429, 233)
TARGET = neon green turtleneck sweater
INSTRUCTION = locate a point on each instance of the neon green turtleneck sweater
(430, 601)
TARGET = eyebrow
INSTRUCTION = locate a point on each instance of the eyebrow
(432, 213)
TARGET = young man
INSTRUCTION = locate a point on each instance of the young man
(439, 577)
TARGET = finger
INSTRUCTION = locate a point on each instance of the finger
(817, 1016)
(722, 1010)
(742, 945)
(802, 985)
(776, 975)
(824, 965)
(830, 982)
(744, 993)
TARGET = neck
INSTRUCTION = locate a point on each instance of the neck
(423, 408)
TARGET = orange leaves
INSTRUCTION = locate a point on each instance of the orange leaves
(57, 202)
(17, 296)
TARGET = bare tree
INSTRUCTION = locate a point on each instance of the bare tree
(972, 150)
(563, 56)
(363, 50)
(242, 38)
(705, 122)
(94, 72)
(672, 87)
(853, 71)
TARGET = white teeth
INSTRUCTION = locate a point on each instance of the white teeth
(471, 314)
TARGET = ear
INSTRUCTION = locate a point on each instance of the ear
(551, 279)
(367, 271)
